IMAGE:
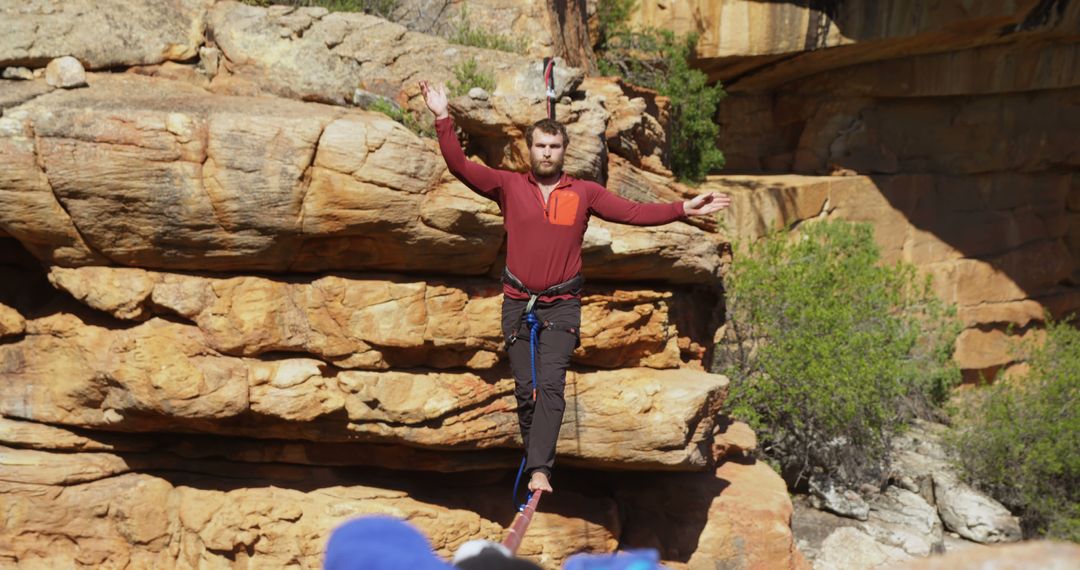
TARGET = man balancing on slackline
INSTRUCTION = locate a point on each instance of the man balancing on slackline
(545, 212)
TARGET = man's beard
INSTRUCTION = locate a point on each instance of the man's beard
(539, 169)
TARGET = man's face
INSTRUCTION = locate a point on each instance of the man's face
(546, 153)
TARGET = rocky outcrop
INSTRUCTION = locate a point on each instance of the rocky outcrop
(971, 514)
(380, 323)
(11, 322)
(90, 31)
(924, 509)
(527, 22)
(265, 185)
(273, 311)
(961, 116)
(851, 548)
(310, 54)
(171, 503)
(905, 520)
(162, 376)
(144, 520)
(791, 41)
(658, 519)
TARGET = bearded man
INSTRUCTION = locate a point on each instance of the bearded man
(545, 213)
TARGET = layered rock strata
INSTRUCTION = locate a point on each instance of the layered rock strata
(958, 119)
(269, 185)
(257, 311)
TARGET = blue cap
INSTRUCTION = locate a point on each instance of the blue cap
(380, 543)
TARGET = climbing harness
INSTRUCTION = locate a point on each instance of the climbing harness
(571, 286)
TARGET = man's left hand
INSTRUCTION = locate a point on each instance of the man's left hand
(706, 204)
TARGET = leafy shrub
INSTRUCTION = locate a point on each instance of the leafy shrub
(467, 34)
(830, 352)
(659, 60)
(403, 116)
(380, 8)
(612, 16)
(1019, 439)
(469, 74)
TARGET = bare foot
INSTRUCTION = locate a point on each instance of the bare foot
(539, 481)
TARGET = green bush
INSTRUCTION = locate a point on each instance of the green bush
(404, 116)
(467, 34)
(1019, 440)
(381, 8)
(830, 352)
(469, 74)
(659, 60)
(612, 16)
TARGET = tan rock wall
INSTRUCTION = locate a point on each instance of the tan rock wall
(758, 46)
(276, 515)
(819, 134)
(963, 116)
(256, 311)
(376, 324)
(225, 183)
(162, 376)
(90, 31)
(998, 255)
(202, 510)
(526, 21)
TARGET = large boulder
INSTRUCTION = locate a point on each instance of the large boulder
(101, 33)
(848, 547)
(971, 514)
(11, 322)
(233, 183)
(901, 518)
(310, 54)
(741, 514)
(525, 24)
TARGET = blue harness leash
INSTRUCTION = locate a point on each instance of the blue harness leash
(572, 286)
(534, 336)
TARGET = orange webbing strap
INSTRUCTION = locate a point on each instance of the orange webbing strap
(521, 523)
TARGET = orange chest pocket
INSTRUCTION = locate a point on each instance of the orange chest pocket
(563, 207)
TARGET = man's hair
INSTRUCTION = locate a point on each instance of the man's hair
(548, 126)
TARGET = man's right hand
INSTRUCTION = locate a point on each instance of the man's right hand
(435, 97)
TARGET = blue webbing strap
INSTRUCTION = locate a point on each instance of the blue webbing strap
(534, 335)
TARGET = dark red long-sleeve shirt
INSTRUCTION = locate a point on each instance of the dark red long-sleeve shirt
(543, 241)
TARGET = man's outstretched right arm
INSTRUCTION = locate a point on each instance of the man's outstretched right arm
(479, 178)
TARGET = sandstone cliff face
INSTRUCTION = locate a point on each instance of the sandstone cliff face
(958, 118)
(239, 310)
(252, 310)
